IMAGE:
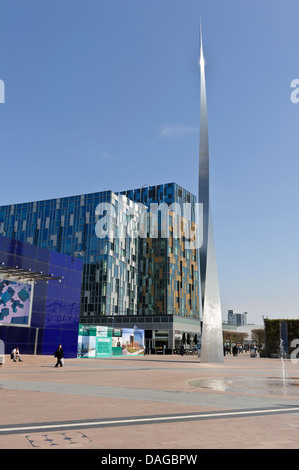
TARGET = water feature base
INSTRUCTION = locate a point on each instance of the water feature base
(251, 385)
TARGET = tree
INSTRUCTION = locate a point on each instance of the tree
(228, 337)
(258, 337)
(240, 337)
(231, 337)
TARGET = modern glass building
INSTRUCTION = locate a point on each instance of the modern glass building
(169, 307)
(168, 269)
(150, 281)
(67, 225)
(40, 295)
(238, 319)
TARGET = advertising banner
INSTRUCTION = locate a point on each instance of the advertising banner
(87, 341)
(132, 342)
(103, 347)
(99, 341)
(15, 302)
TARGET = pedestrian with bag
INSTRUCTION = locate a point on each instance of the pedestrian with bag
(59, 355)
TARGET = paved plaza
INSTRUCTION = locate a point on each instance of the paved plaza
(151, 402)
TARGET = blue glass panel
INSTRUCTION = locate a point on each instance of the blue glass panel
(27, 250)
(78, 264)
(38, 320)
(7, 245)
(55, 290)
(7, 258)
(40, 289)
(24, 263)
(42, 267)
(53, 320)
(52, 338)
(70, 322)
(54, 306)
(39, 303)
(69, 337)
(62, 315)
(57, 259)
(57, 270)
(71, 294)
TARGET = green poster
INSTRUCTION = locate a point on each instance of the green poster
(116, 351)
(103, 347)
(86, 330)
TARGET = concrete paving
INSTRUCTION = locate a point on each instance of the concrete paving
(151, 402)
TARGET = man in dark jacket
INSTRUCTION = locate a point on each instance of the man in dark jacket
(59, 354)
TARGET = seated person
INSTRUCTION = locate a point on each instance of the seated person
(15, 354)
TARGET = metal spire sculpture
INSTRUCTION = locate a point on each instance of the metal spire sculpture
(212, 339)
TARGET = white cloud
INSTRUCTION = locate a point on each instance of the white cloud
(177, 131)
(106, 155)
(172, 132)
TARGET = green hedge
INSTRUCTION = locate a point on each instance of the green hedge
(272, 335)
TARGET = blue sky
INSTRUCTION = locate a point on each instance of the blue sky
(104, 94)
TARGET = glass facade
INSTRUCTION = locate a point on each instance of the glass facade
(55, 306)
(169, 274)
(122, 275)
(68, 226)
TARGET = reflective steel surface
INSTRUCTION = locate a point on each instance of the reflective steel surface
(212, 342)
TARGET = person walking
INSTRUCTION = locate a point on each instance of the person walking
(59, 354)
